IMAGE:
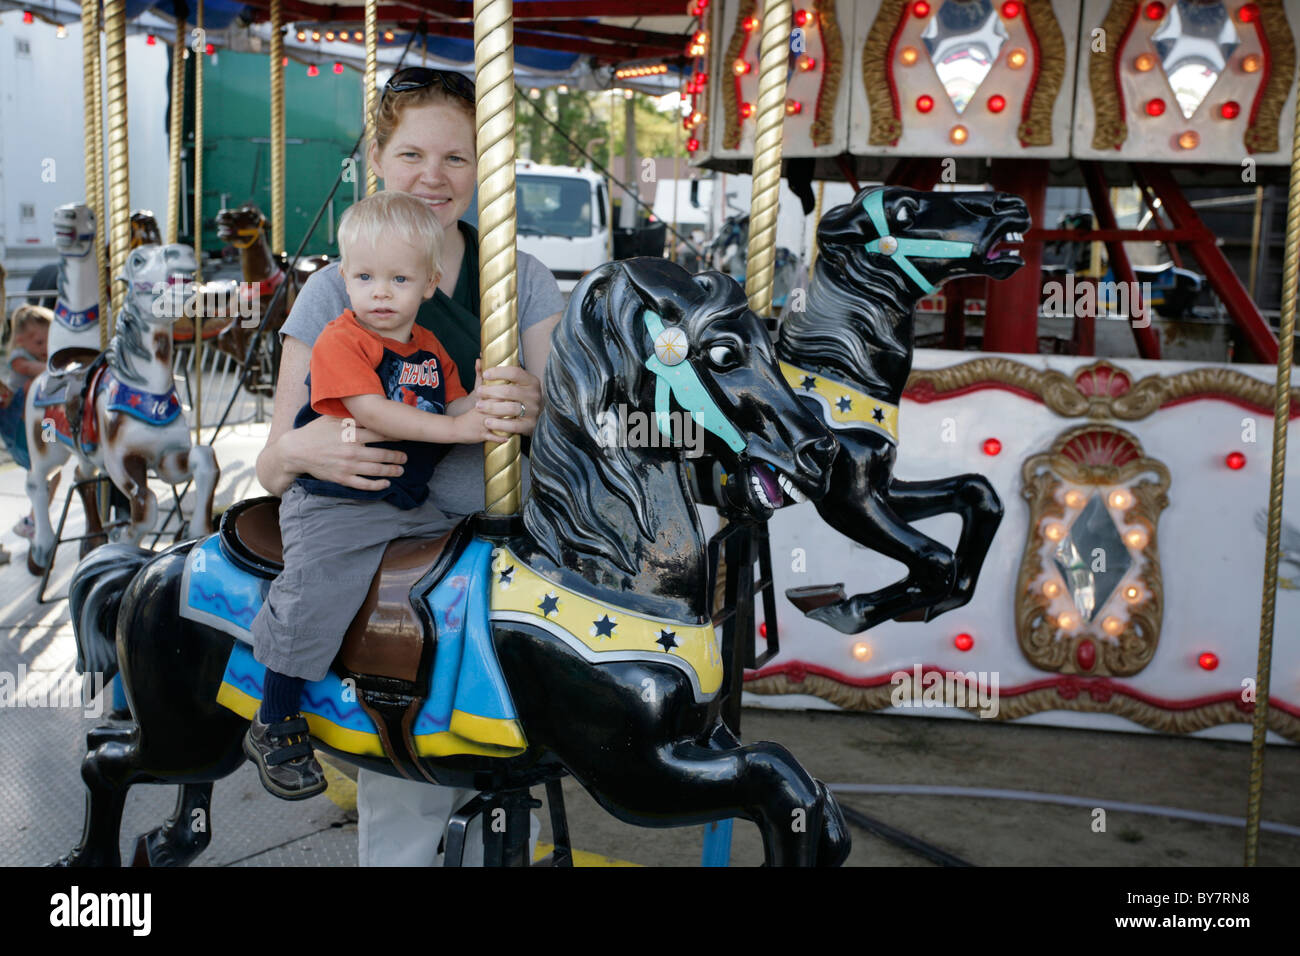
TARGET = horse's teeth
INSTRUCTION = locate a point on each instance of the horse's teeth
(788, 487)
(762, 494)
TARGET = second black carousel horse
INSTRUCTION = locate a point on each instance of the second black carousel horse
(848, 354)
(599, 647)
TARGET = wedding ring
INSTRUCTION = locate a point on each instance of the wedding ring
(522, 408)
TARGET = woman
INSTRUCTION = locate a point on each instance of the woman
(425, 145)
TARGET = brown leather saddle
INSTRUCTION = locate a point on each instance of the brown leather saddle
(74, 369)
(389, 647)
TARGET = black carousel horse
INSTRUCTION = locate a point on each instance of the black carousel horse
(848, 355)
(598, 602)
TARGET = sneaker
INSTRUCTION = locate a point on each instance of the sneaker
(283, 756)
(26, 528)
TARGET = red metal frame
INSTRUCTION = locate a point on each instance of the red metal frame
(1148, 343)
(1011, 311)
(1213, 263)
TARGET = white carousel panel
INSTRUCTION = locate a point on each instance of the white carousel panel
(817, 43)
(1210, 547)
(962, 76)
(1192, 79)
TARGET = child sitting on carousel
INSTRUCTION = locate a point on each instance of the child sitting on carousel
(25, 360)
(375, 368)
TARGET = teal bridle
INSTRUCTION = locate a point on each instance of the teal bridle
(899, 249)
(681, 380)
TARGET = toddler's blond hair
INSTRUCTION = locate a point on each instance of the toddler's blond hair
(393, 215)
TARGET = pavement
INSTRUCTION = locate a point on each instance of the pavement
(1017, 794)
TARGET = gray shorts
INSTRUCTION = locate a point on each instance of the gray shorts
(332, 549)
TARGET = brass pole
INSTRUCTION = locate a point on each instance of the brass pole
(1255, 230)
(774, 59)
(1277, 476)
(494, 68)
(817, 221)
(372, 72)
(198, 225)
(277, 127)
(175, 196)
(103, 225)
(119, 185)
(94, 147)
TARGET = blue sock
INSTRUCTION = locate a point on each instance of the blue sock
(281, 696)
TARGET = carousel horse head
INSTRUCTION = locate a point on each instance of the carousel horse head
(645, 338)
(144, 229)
(920, 240)
(158, 279)
(74, 229)
(241, 227)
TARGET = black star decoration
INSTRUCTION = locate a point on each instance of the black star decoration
(843, 403)
(667, 639)
(604, 627)
(549, 605)
(506, 574)
(878, 414)
(808, 383)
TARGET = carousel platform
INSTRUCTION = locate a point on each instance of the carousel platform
(1020, 795)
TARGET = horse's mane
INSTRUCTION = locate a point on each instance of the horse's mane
(598, 355)
(852, 314)
(128, 340)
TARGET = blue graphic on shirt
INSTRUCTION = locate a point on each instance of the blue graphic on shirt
(416, 380)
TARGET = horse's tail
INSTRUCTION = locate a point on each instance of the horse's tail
(94, 597)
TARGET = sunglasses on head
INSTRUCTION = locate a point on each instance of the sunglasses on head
(418, 77)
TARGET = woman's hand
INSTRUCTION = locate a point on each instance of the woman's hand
(512, 400)
(335, 449)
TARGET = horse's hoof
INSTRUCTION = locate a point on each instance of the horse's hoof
(37, 570)
(814, 596)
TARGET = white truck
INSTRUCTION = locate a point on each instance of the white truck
(564, 217)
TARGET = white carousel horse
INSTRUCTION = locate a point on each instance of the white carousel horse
(130, 422)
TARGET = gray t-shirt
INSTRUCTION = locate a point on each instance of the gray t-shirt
(457, 485)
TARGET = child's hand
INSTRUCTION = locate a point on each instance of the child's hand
(471, 428)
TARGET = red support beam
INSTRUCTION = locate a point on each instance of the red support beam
(915, 172)
(1148, 343)
(1213, 263)
(1011, 313)
(1114, 235)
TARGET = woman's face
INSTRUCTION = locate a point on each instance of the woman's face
(431, 155)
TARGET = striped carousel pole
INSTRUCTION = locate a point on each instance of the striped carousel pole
(494, 68)
(277, 127)
(197, 391)
(372, 72)
(774, 60)
(94, 151)
(1277, 476)
(176, 133)
(119, 176)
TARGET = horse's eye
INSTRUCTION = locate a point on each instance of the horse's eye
(723, 356)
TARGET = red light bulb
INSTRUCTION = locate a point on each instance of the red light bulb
(1249, 13)
(1230, 109)
(992, 446)
(692, 144)
(749, 24)
(312, 70)
(800, 17)
(997, 103)
(921, 8)
(1236, 461)
(209, 49)
(964, 642)
(1011, 9)
(284, 61)
(746, 110)
(1208, 661)
(338, 67)
(1155, 107)
(151, 40)
(925, 102)
(1154, 11)
(793, 107)
(762, 629)
(27, 16)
